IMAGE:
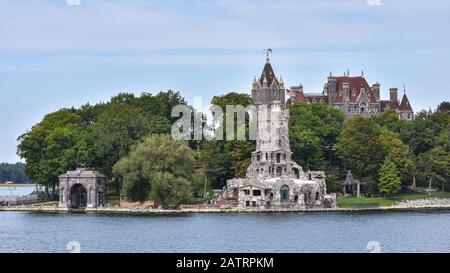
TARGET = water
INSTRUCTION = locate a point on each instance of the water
(17, 191)
(277, 232)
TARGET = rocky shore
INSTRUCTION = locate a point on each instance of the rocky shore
(431, 203)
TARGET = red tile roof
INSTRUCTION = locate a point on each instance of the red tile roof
(387, 104)
(405, 105)
(355, 84)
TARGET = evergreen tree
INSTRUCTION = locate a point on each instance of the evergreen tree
(389, 178)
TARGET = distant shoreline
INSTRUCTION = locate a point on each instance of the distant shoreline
(16, 185)
(185, 211)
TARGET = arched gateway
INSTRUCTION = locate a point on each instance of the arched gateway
(82, 188)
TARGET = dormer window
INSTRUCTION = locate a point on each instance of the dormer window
(353, 93)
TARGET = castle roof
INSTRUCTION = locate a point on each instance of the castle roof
(388, 104)
(268, 74)
(405, 105)
(355, 85)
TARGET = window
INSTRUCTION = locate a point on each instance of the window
(258, 157)
(253, 203)
(247, 192)
(256, 192)
(279, 171)
(278, 158)
(284, 194)
(247, 203)
(296, 199)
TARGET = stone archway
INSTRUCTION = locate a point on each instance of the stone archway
(78, 196)
(82, 188)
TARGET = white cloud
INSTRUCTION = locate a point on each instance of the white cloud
(73, 2)
(374, 2)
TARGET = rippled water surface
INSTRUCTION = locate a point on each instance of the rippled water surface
(277, 232)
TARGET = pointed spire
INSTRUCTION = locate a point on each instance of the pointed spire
(404, 89)
(348, 72)
(265, 82)
(331, 74)
(362, 72)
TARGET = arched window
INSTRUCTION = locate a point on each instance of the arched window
(279, 171)
(363, 107)
(284, 194)
(296, 198)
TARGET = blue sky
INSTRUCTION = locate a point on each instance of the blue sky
(56, 53)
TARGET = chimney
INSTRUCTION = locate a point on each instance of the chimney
(376, 90)
(393, 94)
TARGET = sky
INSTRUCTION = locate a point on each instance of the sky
(64, 53)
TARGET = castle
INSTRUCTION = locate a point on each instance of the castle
(354, 96)
(273, 180)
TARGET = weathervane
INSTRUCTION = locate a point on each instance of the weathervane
(267, 52)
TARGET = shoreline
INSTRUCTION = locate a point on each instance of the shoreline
(234, 210)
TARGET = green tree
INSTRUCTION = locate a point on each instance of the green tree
(389, 120)
(53, 146)
(389, 179)
(158, 168)
(313, 131)
(359, 147)
(14, 172)
(398, 153)
(434, 164)
(223, 159)
(306, 148)
(444, 107)
(118, 127)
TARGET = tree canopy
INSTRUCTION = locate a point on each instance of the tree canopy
(158, 168)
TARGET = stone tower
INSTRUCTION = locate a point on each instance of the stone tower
(268, 89)
(272, 157)
(273, 179)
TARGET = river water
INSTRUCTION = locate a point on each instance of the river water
(16, 191)
(233, 232)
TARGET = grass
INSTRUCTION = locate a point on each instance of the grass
(353, 202)
(16, 185)
(51, 203)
